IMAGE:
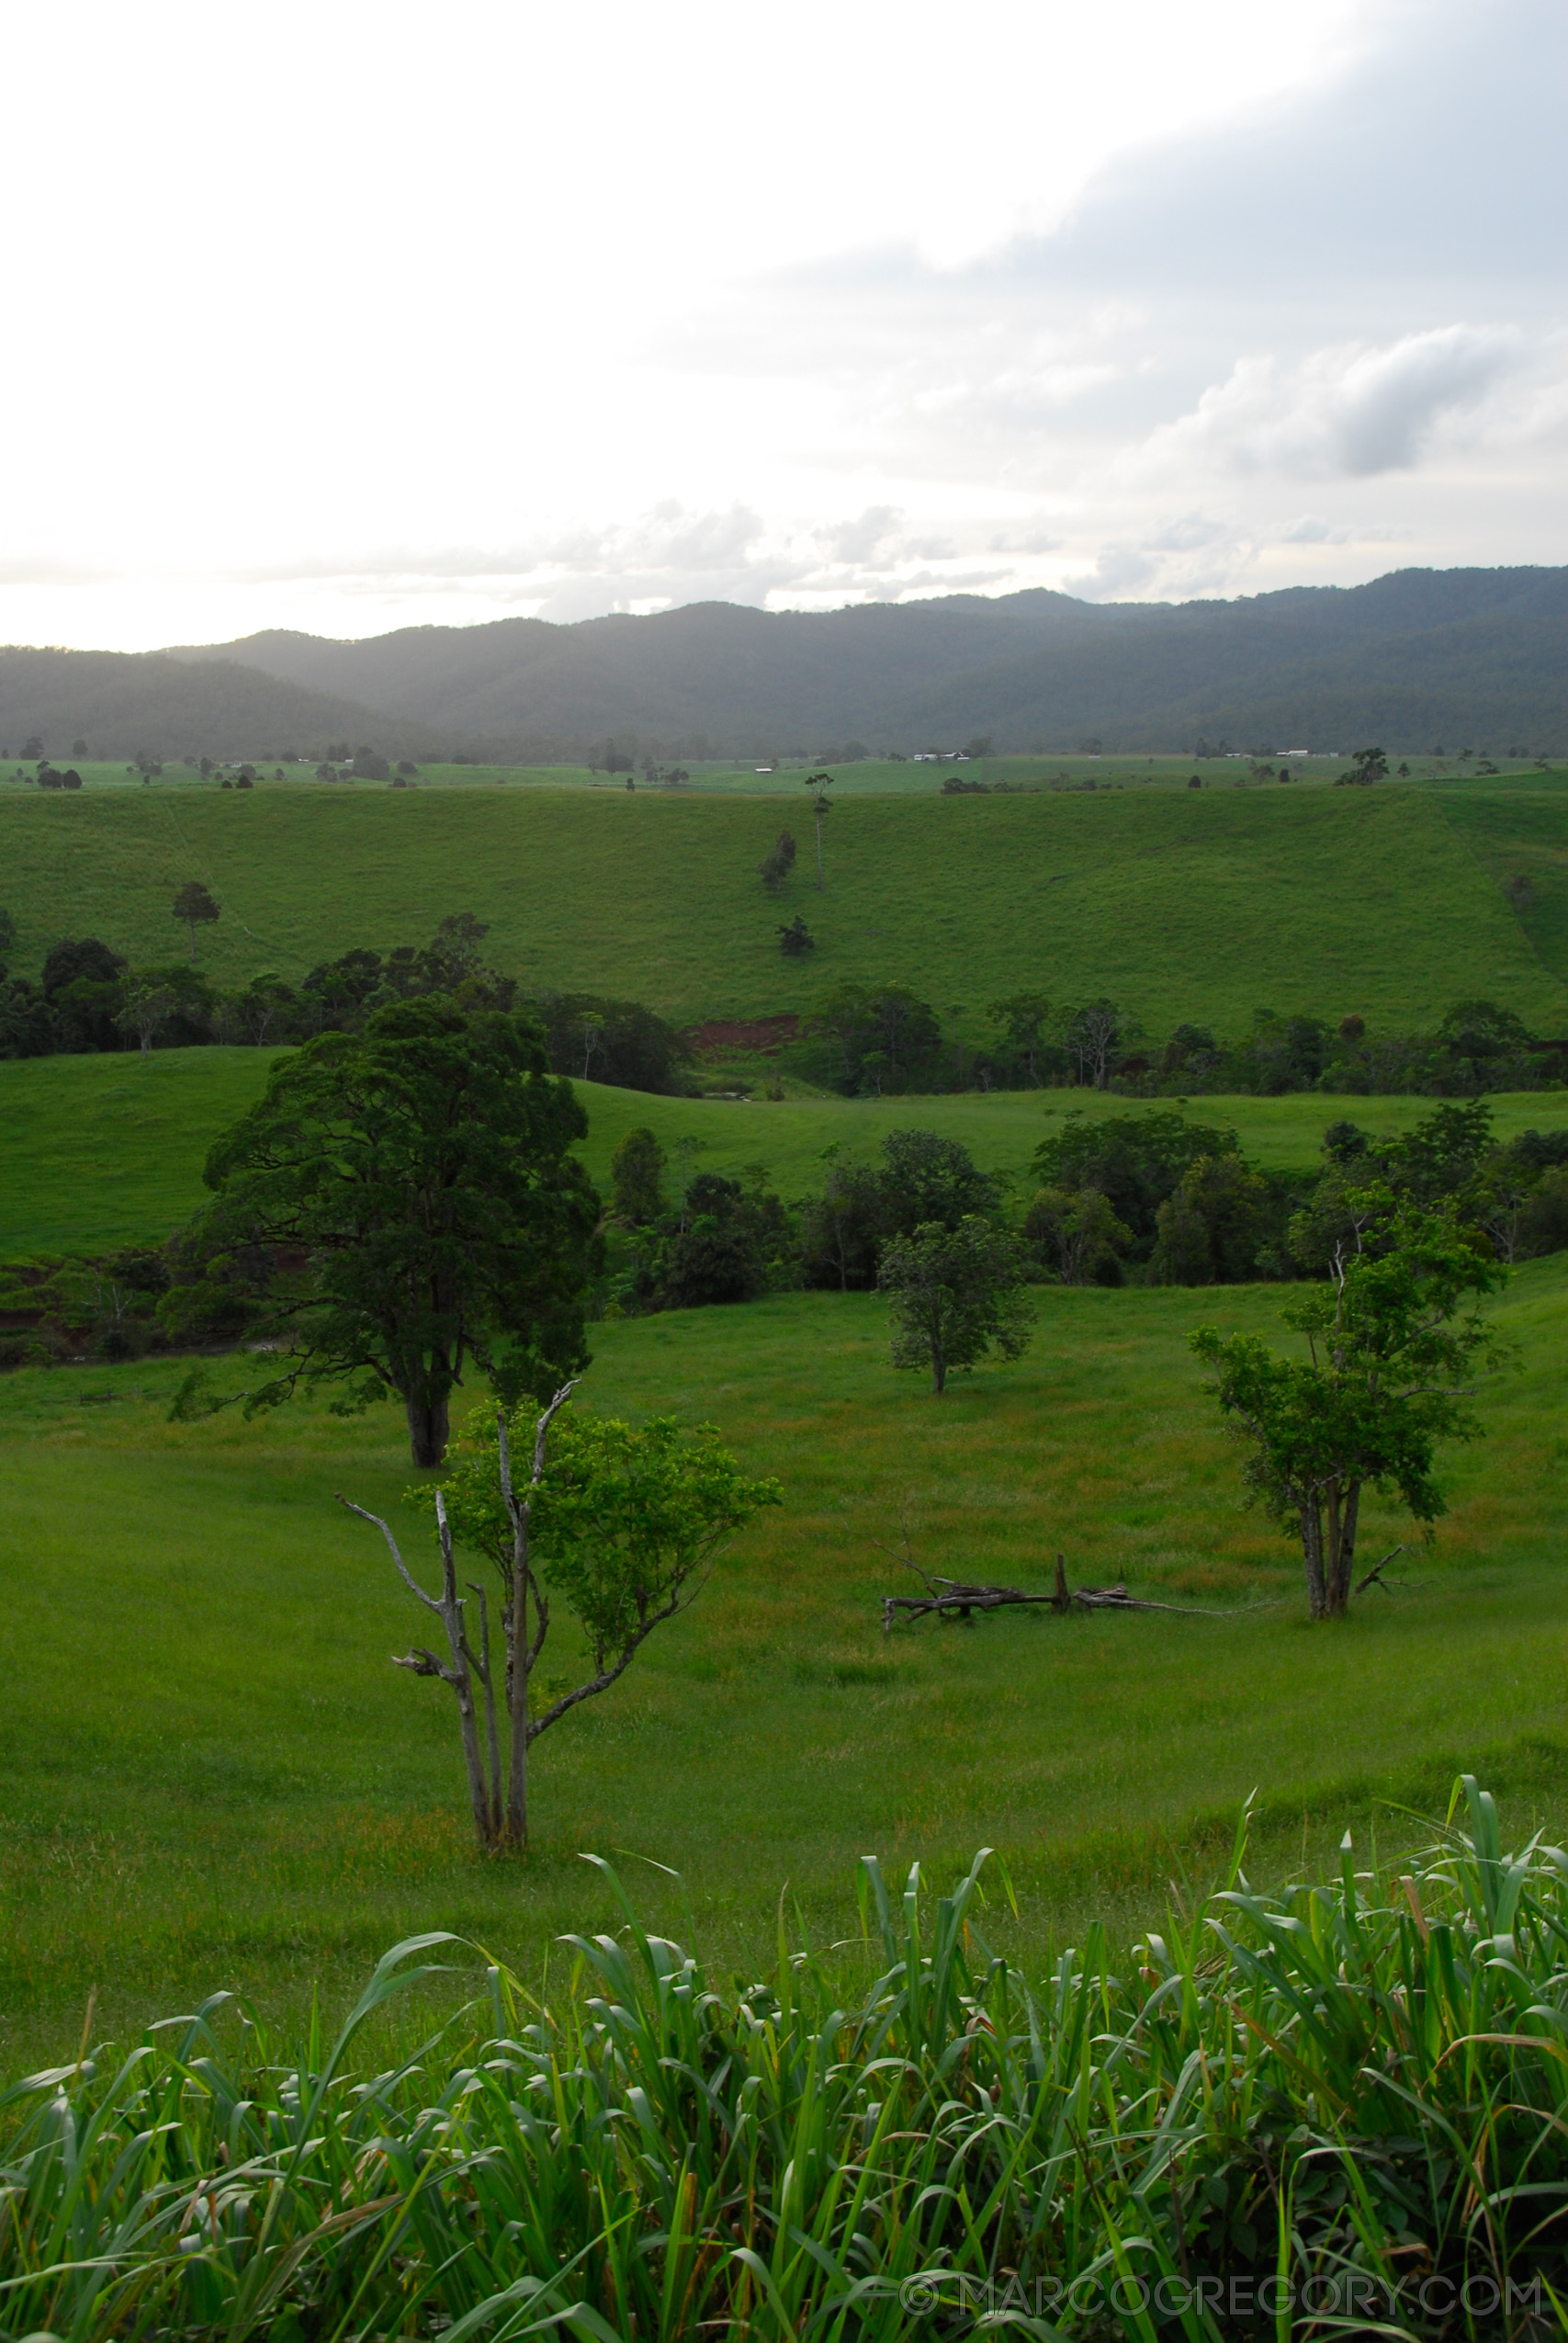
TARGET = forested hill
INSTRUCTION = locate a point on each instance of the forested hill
(128, 704)
(1419, 659)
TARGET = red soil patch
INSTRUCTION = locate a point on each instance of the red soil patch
(730, 1033)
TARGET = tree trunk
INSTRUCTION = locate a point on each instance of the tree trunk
(429, 1426)
(939, 1370)
(191, 924)
(517, 1784)
(1342, 1561)
(1312, 1549)
(818, 854)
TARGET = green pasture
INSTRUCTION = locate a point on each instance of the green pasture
(1204, 905)
(96, 1151)
(211, 1775)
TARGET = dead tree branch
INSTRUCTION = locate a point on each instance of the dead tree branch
(960, 1599)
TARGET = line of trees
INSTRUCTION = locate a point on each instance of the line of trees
(871, 1040)
(89, 998)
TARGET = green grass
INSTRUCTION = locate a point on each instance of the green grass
(1208, 905)
(209, 1774)
(101, 1151)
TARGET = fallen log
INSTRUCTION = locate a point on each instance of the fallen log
(960, 1599)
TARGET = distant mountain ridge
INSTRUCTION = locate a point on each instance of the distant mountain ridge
(1476, 658)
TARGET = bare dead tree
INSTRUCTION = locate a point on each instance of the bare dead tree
(459, 1670)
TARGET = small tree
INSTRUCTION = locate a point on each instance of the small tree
(1078, 1231)
(778, 862)
(956, 1294)
(623, 1525)
(196, 906)
(1022, 1017)
(795, 939)
(1093, 1032)
(146, 1007)
(822, 807)
(636, 1177)
(1392, 1353)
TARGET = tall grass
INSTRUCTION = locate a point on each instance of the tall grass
(1355, 2084)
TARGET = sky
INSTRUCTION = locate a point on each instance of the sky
(344, 318)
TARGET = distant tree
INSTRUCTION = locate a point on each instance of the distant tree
(81, 983)
(1367, 765)
(244, 781)
(206, 768)
(795, 938)
(1136, 1161)
(1093, 1033)
(146, 1007)
(778, 862)
(407, 767)
(819, 784)
(424, 1170)
(636, 1177)
(1213, 1228)
(1352, 1028)
(957, 1295)
(80, 960)
(78, 748)
(1482, 1037)
(1196, 781)
(979, 746)
(621, 1523)
(264, 1004)
(196, 906)
(1022, 1017)
(635, 1049)
(1391, 1353)
(1191, 1049)
(928, 1179)
(841, 1231)
(1077, 1233)
(32, 748)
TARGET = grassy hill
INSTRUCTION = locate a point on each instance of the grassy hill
(1206, 905)
(216, 1778)
(102, 1152)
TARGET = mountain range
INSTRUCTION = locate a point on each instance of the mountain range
(1417, 660)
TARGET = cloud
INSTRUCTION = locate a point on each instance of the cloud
(857, 540)
(1346, 412)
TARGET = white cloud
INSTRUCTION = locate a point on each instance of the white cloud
(1348, 410)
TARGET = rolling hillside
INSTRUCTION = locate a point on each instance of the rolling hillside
(1206, 906)
(103, 1151)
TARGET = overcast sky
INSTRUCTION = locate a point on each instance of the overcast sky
(345, 317)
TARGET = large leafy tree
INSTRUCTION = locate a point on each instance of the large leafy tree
(420, 1177)
(1394, 1347)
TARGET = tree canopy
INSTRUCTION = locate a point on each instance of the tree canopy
(420, 1175)
(1392, 1351)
